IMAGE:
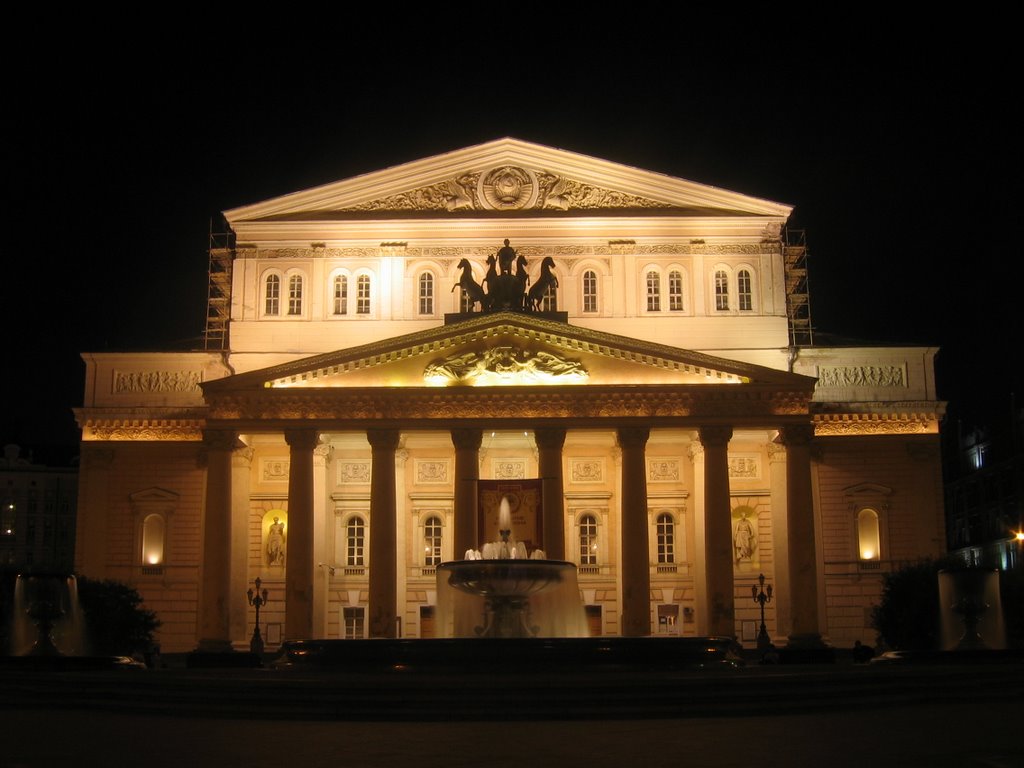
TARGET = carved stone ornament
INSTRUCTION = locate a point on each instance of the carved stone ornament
(745, 467)
(507, 188)
(509, 469)
(431, 471)
(274, 470)
(586, 470)
(662, 470)
(357, 472)
(502, 366)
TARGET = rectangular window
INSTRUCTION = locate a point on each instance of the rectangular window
(363, 295)
(426, 294)
(341, 295)
(653, 292)
(295, 295)
(744, 293)
(589, 291)
(721, 291)
(675, 292)
(354, 623)
(273, 296)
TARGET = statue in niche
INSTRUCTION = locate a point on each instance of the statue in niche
(275, 543)
(744, 540)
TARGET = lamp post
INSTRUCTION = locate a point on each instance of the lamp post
(761, 596)
(257, 598)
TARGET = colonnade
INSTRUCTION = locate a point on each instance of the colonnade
(716, 580)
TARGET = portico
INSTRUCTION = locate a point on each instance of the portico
(713, 398)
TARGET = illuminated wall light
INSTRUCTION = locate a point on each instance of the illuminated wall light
(868, 534)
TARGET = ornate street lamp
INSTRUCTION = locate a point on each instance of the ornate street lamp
(761, 596)
(258, 599)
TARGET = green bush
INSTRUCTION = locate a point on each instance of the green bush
(908, 615)
(116, 623)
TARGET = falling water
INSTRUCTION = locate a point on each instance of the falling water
(47, 616)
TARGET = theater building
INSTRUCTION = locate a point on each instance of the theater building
(635, 368)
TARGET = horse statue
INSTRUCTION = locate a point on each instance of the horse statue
(522, 277)
(547, 279)
(469, 286)
(491, 281)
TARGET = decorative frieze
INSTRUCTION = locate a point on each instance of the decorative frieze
(156, 382)
(505, 365)
(875, 376)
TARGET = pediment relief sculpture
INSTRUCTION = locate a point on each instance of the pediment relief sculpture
(508, 188)
(505, 365)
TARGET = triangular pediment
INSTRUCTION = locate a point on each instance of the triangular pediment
(509, 177)
(509, 349)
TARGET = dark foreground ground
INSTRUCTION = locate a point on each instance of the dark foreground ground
(917, 714)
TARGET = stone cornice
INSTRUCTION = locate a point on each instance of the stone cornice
(878, 418)
(423, 407)
(569, 338)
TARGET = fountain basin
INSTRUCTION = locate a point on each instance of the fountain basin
(509, 598)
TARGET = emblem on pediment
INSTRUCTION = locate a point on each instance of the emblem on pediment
(503, 366)
(508, 188)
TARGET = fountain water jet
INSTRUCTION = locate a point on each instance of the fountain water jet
(504, 591)
(47, 616)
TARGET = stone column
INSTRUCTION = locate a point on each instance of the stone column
(214, 600)
(93, 503)
(803, 568)
(549, 463)
(467, 472)
(718, 552)
(241, 468)
(323, 554)
(636, 557)
(298, 608)
(383, 540)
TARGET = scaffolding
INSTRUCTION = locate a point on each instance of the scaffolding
(218, 295)
(798, 294)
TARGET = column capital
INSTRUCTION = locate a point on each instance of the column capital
(633, 437)
(467, 439)
(549, 438)
(715, 436)
(302, 439)
(383, 439)
(796, 434)
(220, 439)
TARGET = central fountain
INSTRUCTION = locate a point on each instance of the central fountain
(503, 590)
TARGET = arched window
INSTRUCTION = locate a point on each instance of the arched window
(868, 540)
(295, 295)
(653, 291)
(666, 530)
(153, 530)
(363, 295)
(340, 295)
(272, 295)
(355, 542)
(675, 291)
(721, 291)
(588, 540)
(744, 292)
(432, 541)
(549, 303)
(590, 291)
(426, 294)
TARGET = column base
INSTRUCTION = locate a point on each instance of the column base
(807, 648)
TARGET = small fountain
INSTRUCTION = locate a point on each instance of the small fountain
(505, 591)
(970, 610)
(47, 616)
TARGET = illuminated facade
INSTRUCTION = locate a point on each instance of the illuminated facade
(683, 442)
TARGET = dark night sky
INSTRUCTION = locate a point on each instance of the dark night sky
(898, 159)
